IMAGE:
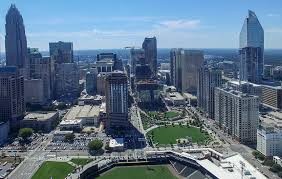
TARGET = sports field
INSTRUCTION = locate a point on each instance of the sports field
(169, 134)
(138, 172)
(55, 170)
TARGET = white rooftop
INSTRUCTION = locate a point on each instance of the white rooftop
(85, 111)
(117, 142)
(40, 116)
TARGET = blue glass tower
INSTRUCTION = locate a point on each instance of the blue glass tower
(251, 49)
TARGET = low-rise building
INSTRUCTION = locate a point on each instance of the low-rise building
(75, 125)
(90, 100)
(40, 121)
(60, 135)
(176, 98)
(117, 144)
(272, 96)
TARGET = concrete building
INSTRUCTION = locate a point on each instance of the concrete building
(251, 49)
(91, 82)
(117, 101)
(272, 96)
(15, 40)
(61, 52)
(150, 48)
(60, 135)
(209, 78)
(269, 140)
(117, 144)
(101, 83)
(104, 65)
(277, 73)
(184, 69)
(66, 81)
(34, 92)
(137, 56)
(42, 68)
(12, 104)
(237, 114)
(268, 72)
(117, 63)
(40, 121)
(176, 98)
(88, 115)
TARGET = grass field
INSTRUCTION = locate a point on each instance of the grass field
(169, 134)
(138, 172)
(81, 161)
(171, 114)
(57, 170)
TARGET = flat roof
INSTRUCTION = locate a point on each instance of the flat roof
(39, 116)
(176, 96)
(231, 167)
(62, 132)
(71, 122)
(189, 95)
(85, 111)
(117, 142)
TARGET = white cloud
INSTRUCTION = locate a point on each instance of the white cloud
(180, 24)
(273, 15)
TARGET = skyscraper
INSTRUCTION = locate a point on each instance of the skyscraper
(117, 100)
(12, 104)
(150, 47)
(251, 49)
(209, 78)
(15, 40)
(137, 56)
(61, 52)
(185, 65)
(237, 114)
(91, 82)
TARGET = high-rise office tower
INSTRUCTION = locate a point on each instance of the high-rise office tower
(137, 56)
(66, 81)
(209, 78)
(12, 104)
(91, 82)
(185, 65)
(61, 52)
(41, 68)
(15, 40)
(117, 101)
(237, 114)
(150, 47)
(251, 49)
(117, 62)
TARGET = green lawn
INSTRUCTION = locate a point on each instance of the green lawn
(57, 170)
(138, 172)
(81, 161)
(169, 134)
(171, 114)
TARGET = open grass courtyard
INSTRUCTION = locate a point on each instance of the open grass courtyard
(170, 134)
(56, 170)
(138, 172)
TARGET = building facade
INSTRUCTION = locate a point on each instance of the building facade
(185, 65)
(150, 48)
(12, 103)
(117, 101)
(251, 49)
(237, 114)
(66, 81)
(272, 96)
(15, 40)
(209, 78)
(91, 82)
(61, 52)
(269, 140)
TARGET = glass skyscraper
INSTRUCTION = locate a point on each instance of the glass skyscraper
(251, 49)
(15, 39)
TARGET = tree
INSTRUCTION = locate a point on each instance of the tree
(25, 133)
(95, 145)
(280, 174)
(69, 137)
(276, 168)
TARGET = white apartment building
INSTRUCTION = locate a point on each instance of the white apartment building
(237, 114)
(269, 140)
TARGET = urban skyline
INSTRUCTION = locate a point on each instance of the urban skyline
(100, 27)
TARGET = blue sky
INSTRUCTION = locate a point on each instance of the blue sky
(95, 24)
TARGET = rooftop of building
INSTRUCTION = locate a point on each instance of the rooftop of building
(116, 142)
(90, 97)
(71, 122)
(237, 93)
(40, 116)
(85, 111)
(175, 96)
(189, 96)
